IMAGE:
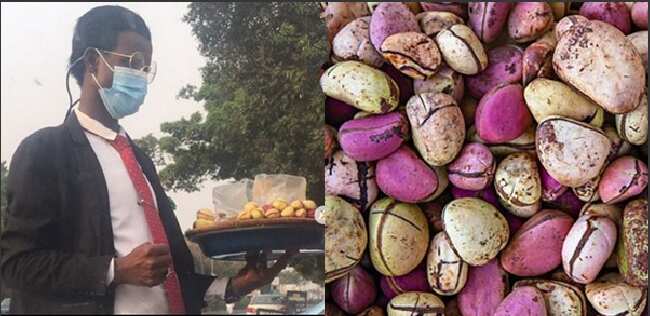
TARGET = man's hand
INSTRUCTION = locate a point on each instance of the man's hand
(146, 265)
(255, 274)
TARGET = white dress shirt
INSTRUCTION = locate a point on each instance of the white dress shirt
(130, 228)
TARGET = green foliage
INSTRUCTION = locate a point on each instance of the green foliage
(260, 88)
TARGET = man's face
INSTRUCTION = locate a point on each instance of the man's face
(128, 43)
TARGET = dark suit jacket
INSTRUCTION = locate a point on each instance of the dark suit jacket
(58, 242)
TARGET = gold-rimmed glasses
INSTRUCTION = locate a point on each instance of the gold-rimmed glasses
(136, 61)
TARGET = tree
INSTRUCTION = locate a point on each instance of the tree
(262, 98)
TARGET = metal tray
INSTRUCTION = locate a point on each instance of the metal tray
(233, 240)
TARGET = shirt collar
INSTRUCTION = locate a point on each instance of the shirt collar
(95, 127)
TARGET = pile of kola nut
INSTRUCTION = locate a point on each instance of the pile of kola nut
(486, 158)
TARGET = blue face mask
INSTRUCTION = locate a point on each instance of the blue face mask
(127, 93)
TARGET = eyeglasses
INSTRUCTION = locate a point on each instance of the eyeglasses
(136, 61)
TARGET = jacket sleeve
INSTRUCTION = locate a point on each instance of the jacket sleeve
(30, 260)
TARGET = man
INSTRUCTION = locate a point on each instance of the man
(89, 227)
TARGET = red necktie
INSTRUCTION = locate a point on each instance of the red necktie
(172, 285)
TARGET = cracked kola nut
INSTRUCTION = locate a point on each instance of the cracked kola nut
(339, 14)
(462, 50)
(374, 137)
(357, 84)
(622, 179)
(432, 22)
(355, 291)
(412, 53)
(415, 280)
(618, 61)
(529, 20)
(518, 185)
(633, 126)
(415, 303)
(537, 58)
(562, 299)
(546, 97)
(399, 236)
(572, 152)
(389, 18)
(473, 169)
(639, 13)
(620, 146)
(288, 212)
(640, 41)
(403, 176)
(587, 246)
(477, 230)
(601, 209)
(536, 247)
(353, 43)
(459, 9)
(613, 13)
(437, 125)
(331, 144)
(632, 248)
(502, 114)
(352, 179)
(611, 296)
(485, 288)
(551, 189)
(504, 68)
(523, 143)
(487, 19)
(445, 80)
(446, 271)
(522, 301)
(346, 237)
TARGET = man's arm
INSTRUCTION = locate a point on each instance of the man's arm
(30, 260)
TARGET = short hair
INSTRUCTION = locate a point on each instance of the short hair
(100, 28)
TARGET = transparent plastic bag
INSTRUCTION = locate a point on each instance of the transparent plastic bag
(269, 187)
(230, 196)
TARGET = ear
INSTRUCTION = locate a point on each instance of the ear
(91, 61)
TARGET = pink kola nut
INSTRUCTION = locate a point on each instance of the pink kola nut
(415, 280)
(485, 288)
(502, 114)
(505, 66)
(355, 291)
(405, 177)
(622, 179)
(487, 19)
(473, 168)
(522, 301)
(587, 246)
(614, 13)
(374, 137)
(569, 203)
(536, 248)
(389, 18)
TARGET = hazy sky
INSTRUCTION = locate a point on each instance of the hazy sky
(36, 45)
